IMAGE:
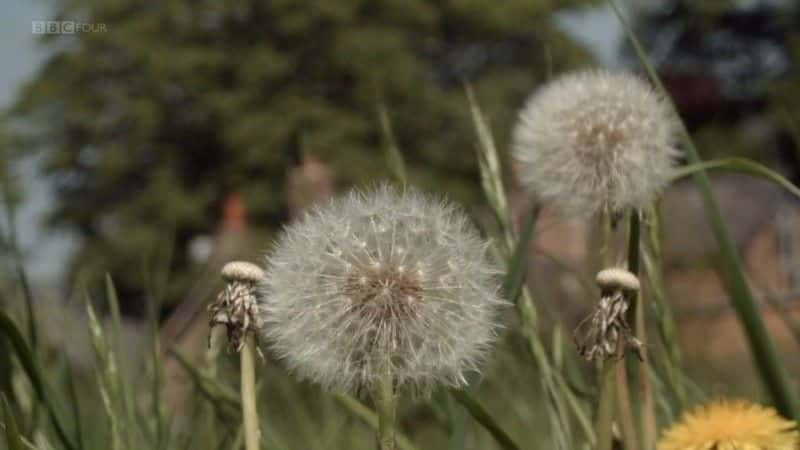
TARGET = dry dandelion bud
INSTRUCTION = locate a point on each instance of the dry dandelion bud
(602, 334)
(236, 307)
(595, 141)
(731, 425)
(381, 282)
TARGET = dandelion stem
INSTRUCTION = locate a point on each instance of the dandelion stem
(628, 421)
(608, 377)
(386, 404)
(249, 412)
(605, 409)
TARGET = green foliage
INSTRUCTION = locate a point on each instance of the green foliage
(149, 125)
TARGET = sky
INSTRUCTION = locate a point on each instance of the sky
(46, 252)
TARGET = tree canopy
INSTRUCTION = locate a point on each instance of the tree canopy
(148, 125)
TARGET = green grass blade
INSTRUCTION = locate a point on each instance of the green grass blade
(107, 376)
(740, 165)
(772, 371)
(6, 369)
(489, 165)
(552, 380)
(394, 158)
(13, 438)
(125, 385)
(484, 418)
(518, 266)
(75, 405)
(30, 308)
(224, 400)
(34, 373)
(11, 241)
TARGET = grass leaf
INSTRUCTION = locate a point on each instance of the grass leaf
(740, 165)
(224, 400)
(484, 418)
(518, 266)
(772, 371)
(31, 369)
(125, 386)
(13, 438)
(394, 158)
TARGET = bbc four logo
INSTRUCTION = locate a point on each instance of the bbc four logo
(65, 27)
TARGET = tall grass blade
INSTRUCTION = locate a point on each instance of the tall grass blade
(6, 369)
(671, 358)
(12, 242)
(772, 371)
(223, 399)
(125, 385)
(107, 376)
(30, 307)
(484, 418)
(739, 165)
(394, 158)
(518, 265)
(72, 391)
(552, 380)
(34, 373)
(13, 438)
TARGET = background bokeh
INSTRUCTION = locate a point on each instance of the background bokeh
(179, 135)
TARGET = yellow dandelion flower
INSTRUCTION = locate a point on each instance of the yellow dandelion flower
(731, 425)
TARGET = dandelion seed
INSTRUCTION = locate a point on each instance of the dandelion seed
(599, 335)
(731, 425)
(362, 287)
(594, 141)
(236, 307)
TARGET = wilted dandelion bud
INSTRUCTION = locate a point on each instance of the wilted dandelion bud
(595, 140)
(381, 282)
(731, 425)
(600, 335)
(236, 306)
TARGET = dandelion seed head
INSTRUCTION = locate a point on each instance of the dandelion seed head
(731, 425)
(595, 140)
(381, 281)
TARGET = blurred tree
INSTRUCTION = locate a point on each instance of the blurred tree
(723, 62)
(149, 122)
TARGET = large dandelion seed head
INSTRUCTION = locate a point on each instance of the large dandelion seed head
(381, 282)
(595, 140)
(731, 425)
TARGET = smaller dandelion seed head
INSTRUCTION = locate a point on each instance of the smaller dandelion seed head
(731, 425)
(617, 278)
(605, 333)
(236, 307)
(381, 281)
(595, 140)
